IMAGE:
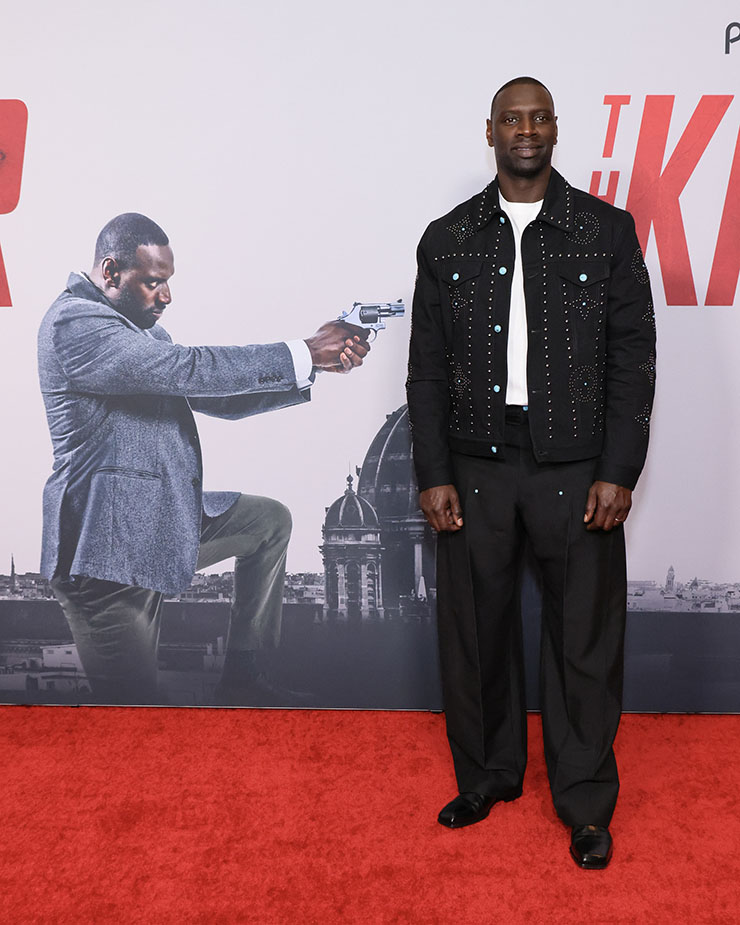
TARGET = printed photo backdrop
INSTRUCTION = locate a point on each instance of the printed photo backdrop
(294, 153)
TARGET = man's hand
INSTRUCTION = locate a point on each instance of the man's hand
(338, 347)
(441, 506)
(607, 506)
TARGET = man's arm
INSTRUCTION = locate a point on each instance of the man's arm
(100, 354)
(306, 357)
(427, 386)
(428, 399)
(630, 384)
(236, 407)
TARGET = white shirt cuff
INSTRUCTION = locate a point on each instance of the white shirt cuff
(302, 363)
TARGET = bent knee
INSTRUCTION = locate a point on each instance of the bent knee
(257, 516)
(281, 520)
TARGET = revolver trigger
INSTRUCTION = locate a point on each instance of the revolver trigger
(374, 334)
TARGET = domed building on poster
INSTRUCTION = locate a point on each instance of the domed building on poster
(378, 549)
(352, 560)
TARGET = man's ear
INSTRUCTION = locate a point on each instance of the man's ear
(111, 273)
(489, 133)
(556, 131)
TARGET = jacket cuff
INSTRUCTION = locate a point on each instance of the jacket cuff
(607, 471)
(431, 478)
(302, 362)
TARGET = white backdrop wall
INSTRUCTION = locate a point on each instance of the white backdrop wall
(295, 152)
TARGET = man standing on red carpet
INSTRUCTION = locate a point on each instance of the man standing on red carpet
(530, 388)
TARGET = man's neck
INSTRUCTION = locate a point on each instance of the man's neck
(524, 189)
(96, 278)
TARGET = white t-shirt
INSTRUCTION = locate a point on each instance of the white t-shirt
(520, 215)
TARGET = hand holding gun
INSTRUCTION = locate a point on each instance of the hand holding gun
(338, 346)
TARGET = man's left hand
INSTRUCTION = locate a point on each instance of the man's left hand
(607, 506)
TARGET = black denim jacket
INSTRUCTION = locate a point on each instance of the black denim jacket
(591, 332)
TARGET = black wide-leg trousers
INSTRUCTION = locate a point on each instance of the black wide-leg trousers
(506, 502)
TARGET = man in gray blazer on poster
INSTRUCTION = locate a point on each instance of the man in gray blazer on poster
(126, 520)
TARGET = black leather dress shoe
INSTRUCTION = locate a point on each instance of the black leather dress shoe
(468, 808)
(591, 846)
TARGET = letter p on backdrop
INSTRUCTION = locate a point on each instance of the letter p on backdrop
(13, 123)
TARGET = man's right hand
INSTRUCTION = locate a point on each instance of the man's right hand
(441, 507)
(338, 347)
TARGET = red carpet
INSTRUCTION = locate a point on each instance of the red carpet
(204, 816)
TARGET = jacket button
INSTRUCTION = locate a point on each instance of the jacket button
(497, 388)
(502, 271)
(502, 219)
(456, 276)
(583, 277)
(196, 482)
(494, 449)
(497, 328)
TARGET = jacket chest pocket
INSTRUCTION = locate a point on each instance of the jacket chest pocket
(458, 284)
(584, 286)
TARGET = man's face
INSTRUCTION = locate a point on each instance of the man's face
(522, 130)
(142, 292)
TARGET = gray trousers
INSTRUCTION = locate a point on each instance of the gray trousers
(116, 627)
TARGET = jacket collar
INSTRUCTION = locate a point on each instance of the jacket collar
(82, 287)
(557, 209)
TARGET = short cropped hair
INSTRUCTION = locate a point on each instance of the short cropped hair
(124, 234)
(521, 80)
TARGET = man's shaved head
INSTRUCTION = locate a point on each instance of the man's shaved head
(123, 234)
(521, 80)
(133, 266)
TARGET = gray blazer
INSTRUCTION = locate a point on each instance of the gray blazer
(125, 499)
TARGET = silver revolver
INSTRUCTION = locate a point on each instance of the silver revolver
(372, 315)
